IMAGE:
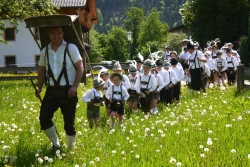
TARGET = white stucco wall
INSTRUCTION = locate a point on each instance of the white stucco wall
(24, 48)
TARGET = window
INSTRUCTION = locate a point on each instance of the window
(9, 34)
(37, 57)
(36, 33)
(10, 61)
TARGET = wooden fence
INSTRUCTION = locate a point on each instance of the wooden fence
(243, 77)
(125, 66)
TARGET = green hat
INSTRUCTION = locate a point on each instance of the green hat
(97, 82)
(218, 53)
(147, 63)
(174, 61)
(159, 62)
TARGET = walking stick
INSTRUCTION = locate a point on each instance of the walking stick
(34, 86)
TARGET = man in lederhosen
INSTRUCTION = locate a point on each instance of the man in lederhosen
(166, 55)
(196, 60)
(231, 67)
(145, 85)
(61, 64)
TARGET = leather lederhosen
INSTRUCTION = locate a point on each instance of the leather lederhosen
(145, 102)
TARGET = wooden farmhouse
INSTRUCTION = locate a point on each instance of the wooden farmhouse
(23, 50)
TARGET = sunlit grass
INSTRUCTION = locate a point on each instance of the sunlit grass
(209, 129)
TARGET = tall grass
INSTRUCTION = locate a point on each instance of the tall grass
(209, 129)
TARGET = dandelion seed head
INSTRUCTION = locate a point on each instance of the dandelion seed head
(202, 155)
(206, 149)
(209, 142)
(233, 151)
(178, 164)
(172, 160)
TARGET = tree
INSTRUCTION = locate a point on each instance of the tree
(152, 29)
(210, 19)
(174, 39)
(115, 44)
(134, 17)
(245, 48)
(18, 10)
(95, 50)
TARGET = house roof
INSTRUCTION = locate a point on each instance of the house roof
(69, 3)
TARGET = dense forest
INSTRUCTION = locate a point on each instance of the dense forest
(112, 12)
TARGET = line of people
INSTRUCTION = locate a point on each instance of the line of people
(151, 82)
(147, 83)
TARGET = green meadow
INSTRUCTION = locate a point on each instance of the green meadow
(204, 129)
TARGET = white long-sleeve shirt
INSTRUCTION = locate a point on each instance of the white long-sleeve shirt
(232, 62)
(125, 82)
(179, 73)
(145, 78)
(91, 94)
(213, 55)
(139, 71)
(220, 62)
(159, 83)
(210, 64)
(206, 70)
(106, 85)
(132, 81)
(164, 75)
(184, 56)
(117, 93)
(172, 77)
(194, 62)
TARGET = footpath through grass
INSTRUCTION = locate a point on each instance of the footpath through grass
(209, 129)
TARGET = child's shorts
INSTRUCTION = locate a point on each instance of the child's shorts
(119, 110)
(93, 111)
(155, 96)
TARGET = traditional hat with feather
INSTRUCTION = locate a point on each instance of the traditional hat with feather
(103, 69)
(98, 80)
(117, 66)
(147, 63)
(139, 58)
(132, 66)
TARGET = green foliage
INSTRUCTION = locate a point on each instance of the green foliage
(95, 50)
(173, 40)
(115, 45)
(134, 17)
(210, 19)
(150, 47)
(19, 10)
(169, 10)
(245, 48)
(152, 29)
(202, 130)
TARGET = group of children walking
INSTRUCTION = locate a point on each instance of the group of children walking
(147, 83)
(151, 82)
